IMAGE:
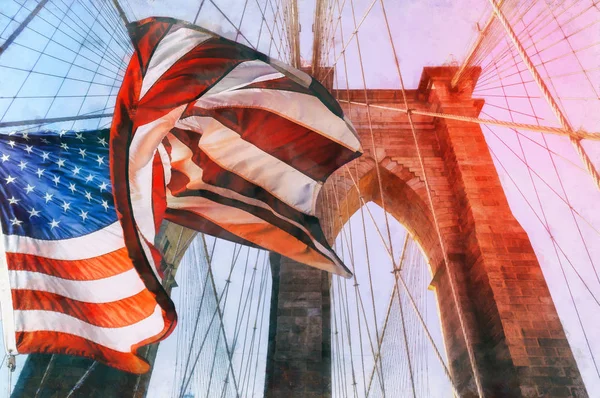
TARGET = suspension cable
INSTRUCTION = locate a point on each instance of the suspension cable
(459, 309)
(547, 95)
(578, 135)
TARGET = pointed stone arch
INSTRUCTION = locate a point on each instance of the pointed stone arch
(508, 314)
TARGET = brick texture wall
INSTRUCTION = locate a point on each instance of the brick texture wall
(299, 354)
(518, 340)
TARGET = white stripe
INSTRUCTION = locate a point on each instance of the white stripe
(166, 163)
(105, 290)
(297, 75)
(225, 147)
(181, 160)
(119, 339)
(178, 42)
(143, 146)
(6, 304)
(244, 74)
(95, 244)
(306, 110)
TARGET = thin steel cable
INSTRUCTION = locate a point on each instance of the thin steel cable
(558, 246)
(458, 305)
(30, 71)
(564, 192)
(82, 379)
(356, 28)
(229, 351)
(360, 308)
(411, 299)
(579, 134)
(547, 95)
(555, 249)
(47, 371)
(569, 289)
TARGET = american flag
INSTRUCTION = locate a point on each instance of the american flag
(207, 133)
(74, 289)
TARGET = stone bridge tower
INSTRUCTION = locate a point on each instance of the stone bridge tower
(517, 339)
(519, 344)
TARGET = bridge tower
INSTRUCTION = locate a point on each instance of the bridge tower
(516, 341)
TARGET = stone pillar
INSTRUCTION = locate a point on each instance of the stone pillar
(299, 353)
(518, 339)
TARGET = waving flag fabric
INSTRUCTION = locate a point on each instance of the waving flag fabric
(217, 137)
(207, 133)
(74, 288)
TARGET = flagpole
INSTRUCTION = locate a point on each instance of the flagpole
(6, 306)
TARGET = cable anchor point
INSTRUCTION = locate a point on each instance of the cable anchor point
(12, 362)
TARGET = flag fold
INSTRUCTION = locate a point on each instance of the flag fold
(207, 133)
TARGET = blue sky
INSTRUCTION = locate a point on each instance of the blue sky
(431, 32)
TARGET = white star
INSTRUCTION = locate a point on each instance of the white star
(82, 153)
(5, 157)
(72, 187)
(66, 206)
(60, 162)
(56, 180)
(105, 205)
(88, 196)
(25, 136)
(64, 146)
(22, 165)
(12, 133)
(10, 179)
(11, 143)
(54, 224)
(79, 136)
(103, 186)
(45, 141)
(83, 215)
(76, 170)
(89, 178)
(33, 212)
(102, 141)
(48, 197)
(16, 222)
(29, 189)
(100, 160)
(28, 149)
(62, 132)
(13, 200)
(45, 155)
(39, 172)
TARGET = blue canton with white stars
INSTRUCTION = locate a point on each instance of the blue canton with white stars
(55, 184)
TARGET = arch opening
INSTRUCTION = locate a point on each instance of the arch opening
(386, 333)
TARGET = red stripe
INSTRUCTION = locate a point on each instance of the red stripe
(145, 35)
(315, 89)
(304, 149)
(265, 215)
(120, 138)
(272, 238)
(89, 269)
(215, 175)
(190, 76)
(198, 223)
(109, 315)
(159, 198)
(43, 342)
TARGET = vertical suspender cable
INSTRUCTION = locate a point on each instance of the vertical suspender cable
(459, 310)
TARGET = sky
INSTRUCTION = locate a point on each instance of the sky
(436, 32)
